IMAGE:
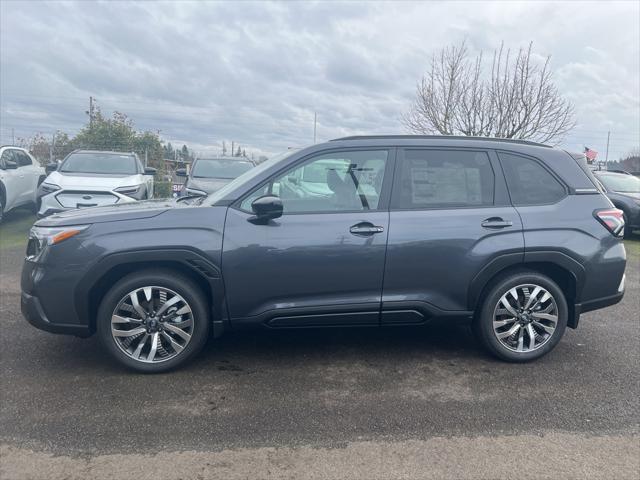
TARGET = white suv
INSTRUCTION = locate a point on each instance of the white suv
(20, 176)
(91, 178)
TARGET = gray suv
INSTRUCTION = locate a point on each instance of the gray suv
(511, 236)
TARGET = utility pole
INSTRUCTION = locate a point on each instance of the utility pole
(232, 148)
(53, 146)
(315, 124)
(606, 156)
(90, 112)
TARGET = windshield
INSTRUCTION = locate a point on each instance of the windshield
(220, 168)
(620, 182)
(245, 177)
(100, 163)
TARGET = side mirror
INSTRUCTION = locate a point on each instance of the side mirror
(10, 165)
(150, 171)
(293, 180)
(181, 172)
(51, 167)
(266, 208)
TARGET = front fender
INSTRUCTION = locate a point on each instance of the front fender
(128, 260)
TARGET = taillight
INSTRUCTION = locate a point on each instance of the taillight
(612, 219)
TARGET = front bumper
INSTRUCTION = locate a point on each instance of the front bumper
(34, 314)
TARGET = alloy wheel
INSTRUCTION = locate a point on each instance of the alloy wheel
(152, 324)
(525, 318)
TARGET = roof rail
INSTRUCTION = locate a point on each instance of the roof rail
(446, 137)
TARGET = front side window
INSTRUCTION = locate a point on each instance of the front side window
(100, 163)
(331, 182)
(529, 182)
(443, 179)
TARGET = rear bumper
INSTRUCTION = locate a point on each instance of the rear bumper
(596, 304)
(34, 314)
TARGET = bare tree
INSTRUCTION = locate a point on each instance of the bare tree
(516, 99)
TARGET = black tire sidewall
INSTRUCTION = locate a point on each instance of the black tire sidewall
(483, 324)
(161, 278)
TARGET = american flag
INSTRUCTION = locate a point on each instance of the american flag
(590, 154)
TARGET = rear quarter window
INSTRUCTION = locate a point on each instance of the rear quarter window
(530, 183)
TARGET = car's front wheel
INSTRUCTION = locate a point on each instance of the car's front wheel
(523, 317)
(153, 321)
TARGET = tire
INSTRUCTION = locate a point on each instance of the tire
(493, 320)
(166, 327)
(35, 206)
(1, 209)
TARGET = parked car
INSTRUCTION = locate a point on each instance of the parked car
(511, 236)
(623, 189)
(90, 178)
(20, 176)
(208, 175)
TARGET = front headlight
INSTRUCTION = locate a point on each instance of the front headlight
(194, 191)
(133, 191)
(41, 237)
(47, 188)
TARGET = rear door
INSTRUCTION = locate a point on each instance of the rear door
(28, 174)
(9, 178)
(450, 217)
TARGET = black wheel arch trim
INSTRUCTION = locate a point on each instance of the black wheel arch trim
(190, 259)
(503, 262)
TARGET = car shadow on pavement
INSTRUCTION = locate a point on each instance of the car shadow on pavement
(252, 350)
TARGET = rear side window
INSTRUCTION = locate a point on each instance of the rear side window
(443, 179)
(529, 182)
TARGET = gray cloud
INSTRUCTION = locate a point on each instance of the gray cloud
(256, 72)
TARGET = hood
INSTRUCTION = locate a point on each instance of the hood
(633, 195)
(110, 213)
(89, 181)
(208, 185)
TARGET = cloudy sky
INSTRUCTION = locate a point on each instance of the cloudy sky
(255, 73)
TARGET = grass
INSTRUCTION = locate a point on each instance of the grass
(15, 228)
(632, 246)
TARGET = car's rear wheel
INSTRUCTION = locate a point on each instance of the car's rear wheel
(523, 317)
(153, 321)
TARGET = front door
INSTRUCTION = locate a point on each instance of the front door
(322, 262)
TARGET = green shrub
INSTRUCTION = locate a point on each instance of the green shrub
(162, 190)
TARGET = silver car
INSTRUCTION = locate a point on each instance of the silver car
(209, 175)
(89, 178)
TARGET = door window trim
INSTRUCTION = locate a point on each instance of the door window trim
(385, 194)
(396, 187)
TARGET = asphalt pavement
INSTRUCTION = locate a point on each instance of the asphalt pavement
(346, 403)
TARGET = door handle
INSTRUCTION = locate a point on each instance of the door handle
(496, 223)
(365, 229)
